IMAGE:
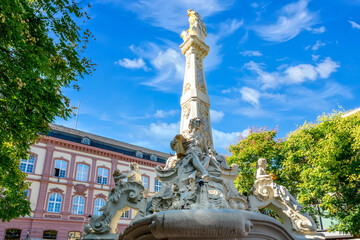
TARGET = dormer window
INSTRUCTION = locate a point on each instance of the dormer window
(139, 154)
(153, 157)
(85, 140)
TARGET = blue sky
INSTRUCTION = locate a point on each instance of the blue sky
(271, 63)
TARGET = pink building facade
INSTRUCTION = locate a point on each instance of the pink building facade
(71, 174)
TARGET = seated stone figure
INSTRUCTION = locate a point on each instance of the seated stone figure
(266, 193)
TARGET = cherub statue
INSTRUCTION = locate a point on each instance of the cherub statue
(261, 169)
(132, 176)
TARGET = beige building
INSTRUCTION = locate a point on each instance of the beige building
(71, 174)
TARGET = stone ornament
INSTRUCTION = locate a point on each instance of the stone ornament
(266, 193)
(197, 26)
(124, 195)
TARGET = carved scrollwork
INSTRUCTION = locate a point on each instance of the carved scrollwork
(186, 110)
(187, 87)
(201, 87)
(204, 109)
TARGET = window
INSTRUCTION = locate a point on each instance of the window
(78, 205)
(145, 181)
(126, 215)
(54, 203)
(49, 234)
(74, 235)
(85, 140)
(157, 185)
(27, 193)
(139, 154)
(102, 176)
(99, 203)
(60, 168)
(12, 234)
(153, 158)
(27, 165)
(82, 172)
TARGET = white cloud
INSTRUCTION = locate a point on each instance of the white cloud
(318, 30)
(354, 24)
(327, 67)
(300, 73)
(315, 57)
(172, 15)
(292, 74)
(163, 114)
(132, 64)
(293, 18)
(223, 140)
(216, 116)
(251, 53)
(317, 45)
(250, 95)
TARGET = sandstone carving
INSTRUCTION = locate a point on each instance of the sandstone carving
(266, 193)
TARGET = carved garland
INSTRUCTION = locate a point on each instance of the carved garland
(80, 189)
(201, 87)
(100, 195)
(186, 110)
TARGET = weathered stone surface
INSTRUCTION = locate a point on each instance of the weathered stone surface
(208, 224)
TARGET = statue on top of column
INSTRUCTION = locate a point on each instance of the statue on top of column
(197, 26)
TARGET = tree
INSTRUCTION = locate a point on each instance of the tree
(319, 163)
(40, 52)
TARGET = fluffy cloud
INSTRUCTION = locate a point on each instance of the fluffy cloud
(318, 30)
(292, 74)
(354, 24)
(216, 116)
(250, 95)
(317, 45)
(293, 18)
(251, 53)
(223, 140)
(132, 64)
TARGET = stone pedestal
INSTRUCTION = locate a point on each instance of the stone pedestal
(227, 224)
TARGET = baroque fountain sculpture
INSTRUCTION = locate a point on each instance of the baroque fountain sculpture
(198, 199)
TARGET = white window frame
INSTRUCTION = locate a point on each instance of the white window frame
(102, 178)
(78, 205)
(62, 165)
(126, 215)
(99, 203)
(55, 204)
(157, 185)
(28, 165)
(82, 172)
(145, 183)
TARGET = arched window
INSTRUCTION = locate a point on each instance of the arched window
(49, 234)
(27, 165)
(12, 234)
(85, 140)
(153, 157)
(99, 203)
(54, 202)
(60, 168)
(102, 177)
(157, 185)
(139, 154)
(82, 172)
(78, 205)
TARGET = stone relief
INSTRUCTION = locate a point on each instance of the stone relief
(187, 87)
(186, 110)
(204, 109)
(201, 87)
(266, 193)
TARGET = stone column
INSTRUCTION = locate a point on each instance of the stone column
(195, 102)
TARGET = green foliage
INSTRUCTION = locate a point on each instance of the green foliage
(40, 47)
(260, 143)
(319, 163)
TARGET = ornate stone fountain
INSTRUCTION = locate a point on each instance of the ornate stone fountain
(198, 199)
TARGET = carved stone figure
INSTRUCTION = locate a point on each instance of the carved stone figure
(125, 195)
(266, 193)
(197, 26)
